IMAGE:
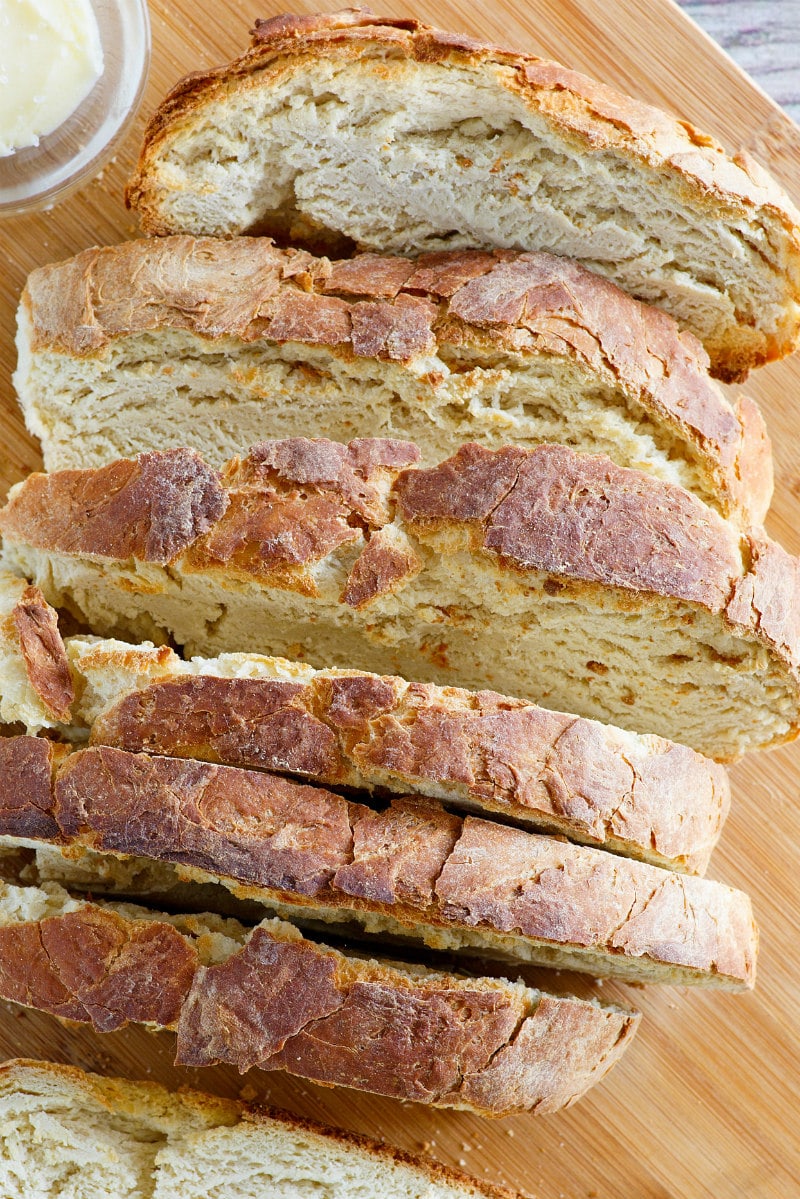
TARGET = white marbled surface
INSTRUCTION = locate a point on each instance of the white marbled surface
(763, 37)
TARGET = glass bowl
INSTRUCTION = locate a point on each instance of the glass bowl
(39, 176)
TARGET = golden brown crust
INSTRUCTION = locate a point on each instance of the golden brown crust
(381, 568)
(562, 1041)
(392, 308)
(149, 508)
(597, 527)
(490, 877)
(427, 1041)
(398, 854)
(767, 598)
(577, 517)
(560, 773)
(298, 501)
(27, 769)
(586, 112)
(133, 1098)
(272, 832)
(42, 649)
(96, 967)
(375, 1027)
(412, 861)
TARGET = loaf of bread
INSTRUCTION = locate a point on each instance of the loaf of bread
(411, 870)
(234, 341)
(268, 997)
(350, 130)
(634, 794)
(551, 575)
(136, 1140)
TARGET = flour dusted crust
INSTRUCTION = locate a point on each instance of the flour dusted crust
(94, 966)
(109, 965)
(576, 516)
(185, 1118)
(590, 118)
(562, 528)
(398, 310)
(293, 517)
(28, 767)
(42, 649)
(638, 795)
(152, 508)
(434, 874)
(471, 1048)
(36, 688)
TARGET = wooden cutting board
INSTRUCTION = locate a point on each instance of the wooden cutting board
(707, 1100)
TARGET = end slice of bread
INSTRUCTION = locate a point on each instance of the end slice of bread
(234, 341)
(389, 135)
(555, 576)
(137, 1140)
(268, 997)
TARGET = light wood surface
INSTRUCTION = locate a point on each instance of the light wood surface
(707, 1101)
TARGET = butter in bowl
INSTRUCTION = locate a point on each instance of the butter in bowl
(72, 73)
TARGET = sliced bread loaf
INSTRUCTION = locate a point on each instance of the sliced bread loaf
(393, 136)
(547, 574)
(411, 870)
(634, 794)
(268, 997)
(234, 341)
(136, 1140)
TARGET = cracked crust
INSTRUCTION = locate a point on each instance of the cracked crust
(395, 309)
(42, 650)
(36, 690)
(576, 516)
(150, 508)
(28, 766)
(376, 1026)
(424, 1041)
(168, 1112)
(640, 796)
(602, 535)
(94, 966)
(586, 113)
(581, 518)
(281, 841)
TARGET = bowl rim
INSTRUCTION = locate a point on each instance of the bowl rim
(79, 169)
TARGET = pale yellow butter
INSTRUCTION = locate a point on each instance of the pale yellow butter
(50, 58)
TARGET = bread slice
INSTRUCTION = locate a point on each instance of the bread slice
(234, 341)
(634, 794)
(412, 869)
(268, 997)
(551, 575)
(402, 138)
(136, 1140)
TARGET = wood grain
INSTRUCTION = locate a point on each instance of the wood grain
(707, 1100)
